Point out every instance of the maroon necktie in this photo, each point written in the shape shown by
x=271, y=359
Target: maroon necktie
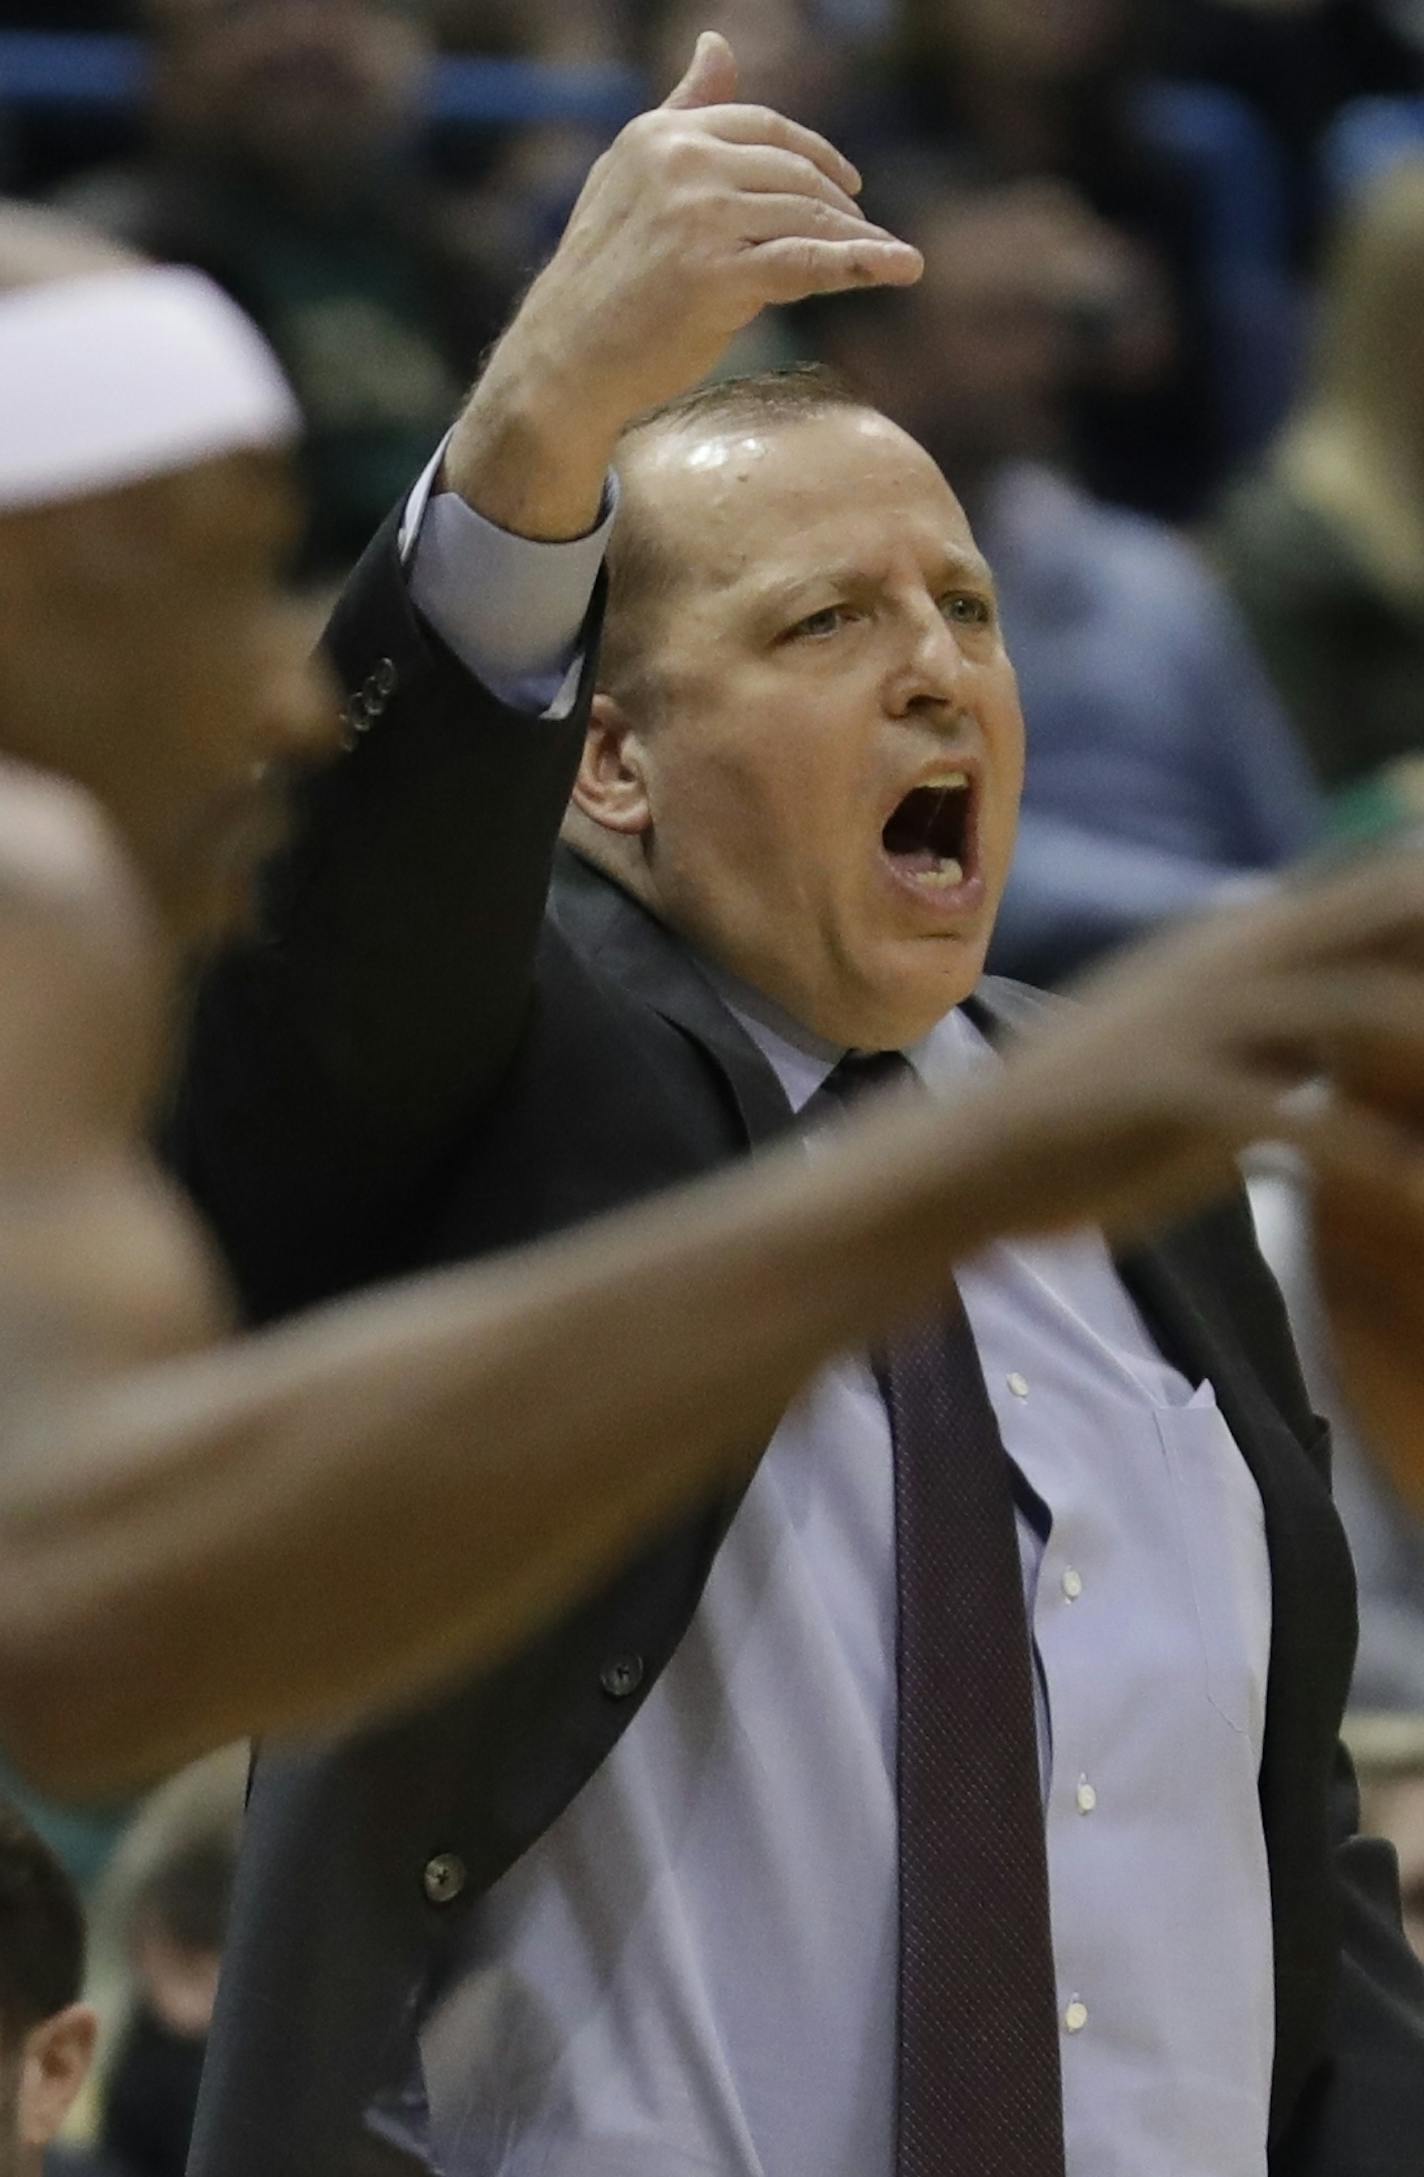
x=979, y=2085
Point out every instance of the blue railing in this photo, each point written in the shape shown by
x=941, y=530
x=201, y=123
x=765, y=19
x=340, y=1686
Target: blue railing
x=93, y=70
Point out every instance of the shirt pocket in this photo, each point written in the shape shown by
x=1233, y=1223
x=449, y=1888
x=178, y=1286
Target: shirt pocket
x=1223, y=1537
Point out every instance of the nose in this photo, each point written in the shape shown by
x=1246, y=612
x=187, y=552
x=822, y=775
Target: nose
x=929, y=673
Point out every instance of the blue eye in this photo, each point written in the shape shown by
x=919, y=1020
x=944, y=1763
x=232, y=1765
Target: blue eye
x=968, y=608
x=817, y=625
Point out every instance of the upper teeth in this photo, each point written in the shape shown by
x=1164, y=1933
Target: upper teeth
x=946, y=779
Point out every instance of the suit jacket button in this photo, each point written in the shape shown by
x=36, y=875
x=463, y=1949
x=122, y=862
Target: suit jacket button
x=383, y=680
x=444, y=1878
x=622, y=1676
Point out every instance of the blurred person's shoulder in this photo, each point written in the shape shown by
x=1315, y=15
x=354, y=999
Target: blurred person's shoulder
x=1267, y=537
x=1045, y=525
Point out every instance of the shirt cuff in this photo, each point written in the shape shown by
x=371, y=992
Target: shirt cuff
x=510, y=608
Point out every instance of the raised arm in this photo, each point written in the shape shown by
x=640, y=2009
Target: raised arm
x=332, y=1062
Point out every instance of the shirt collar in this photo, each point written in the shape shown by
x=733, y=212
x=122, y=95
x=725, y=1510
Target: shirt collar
x=802, y=1061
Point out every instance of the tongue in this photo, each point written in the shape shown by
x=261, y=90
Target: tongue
x=919, y=861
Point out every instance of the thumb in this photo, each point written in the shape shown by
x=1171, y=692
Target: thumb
x=711, y=78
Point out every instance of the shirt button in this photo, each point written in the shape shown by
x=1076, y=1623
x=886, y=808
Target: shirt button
x=1075, y=2018
x=444, y=1878
x=1087, y=1797
x=1018, y=1385
x=622, y=1676
x=1072, y=1584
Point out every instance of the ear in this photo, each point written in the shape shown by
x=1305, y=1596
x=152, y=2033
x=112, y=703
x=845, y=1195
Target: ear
x=54, y=2065
x=611, y=788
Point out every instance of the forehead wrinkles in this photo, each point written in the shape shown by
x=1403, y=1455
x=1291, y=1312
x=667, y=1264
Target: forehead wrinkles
x=713, y=521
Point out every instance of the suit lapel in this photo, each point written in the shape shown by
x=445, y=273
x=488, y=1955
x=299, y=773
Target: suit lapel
x=611, y=928
x=1202, y=1329
x=1201, y=1309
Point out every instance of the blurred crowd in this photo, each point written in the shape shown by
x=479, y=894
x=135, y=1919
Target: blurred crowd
x=1169, y=349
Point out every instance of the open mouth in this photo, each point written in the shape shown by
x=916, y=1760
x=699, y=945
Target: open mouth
x=929, y=837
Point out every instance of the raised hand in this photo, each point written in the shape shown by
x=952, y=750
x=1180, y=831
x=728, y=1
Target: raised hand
x=701, y=214
x=1130, y=1107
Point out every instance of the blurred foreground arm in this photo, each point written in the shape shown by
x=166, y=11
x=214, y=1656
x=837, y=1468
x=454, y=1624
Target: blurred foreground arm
x=197, y=1544
x=1369, y=1251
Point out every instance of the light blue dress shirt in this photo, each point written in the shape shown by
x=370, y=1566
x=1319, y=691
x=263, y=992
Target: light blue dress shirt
x=692, y=1974
x=511, y=609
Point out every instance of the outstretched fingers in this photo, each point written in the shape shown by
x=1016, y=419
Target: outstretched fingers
x=1352, y=1147
x=1336, y=1019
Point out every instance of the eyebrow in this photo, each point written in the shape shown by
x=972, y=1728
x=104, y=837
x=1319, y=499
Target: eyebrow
x=850, y=575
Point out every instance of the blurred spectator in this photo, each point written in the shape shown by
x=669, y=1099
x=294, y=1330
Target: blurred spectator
x=1389, y=1758
x=1387, y=1541
x=1299, y=61
x=47, y=2035
x=1027, y=89
x=284, y=166
x=542, y=29
x=160, y=1920
x=1159, y=770
x=789, y=55
x=1324, y=547
x=42, y=143
x=83, y=1837
x=521, y=180
x=67, y=14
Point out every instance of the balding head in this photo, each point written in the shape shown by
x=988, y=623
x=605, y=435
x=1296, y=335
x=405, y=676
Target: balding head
x=647, y=560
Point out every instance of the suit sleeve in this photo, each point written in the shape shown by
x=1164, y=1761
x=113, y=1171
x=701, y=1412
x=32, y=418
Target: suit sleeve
x=333, y=1060
x=1363, y=2114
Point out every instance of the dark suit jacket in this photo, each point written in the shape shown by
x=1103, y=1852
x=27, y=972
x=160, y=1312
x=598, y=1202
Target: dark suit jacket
x=417, y=1065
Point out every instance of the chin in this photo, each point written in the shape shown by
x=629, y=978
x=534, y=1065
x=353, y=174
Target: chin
x=910, y=1000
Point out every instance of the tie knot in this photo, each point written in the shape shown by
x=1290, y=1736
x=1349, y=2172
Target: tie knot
x=859, y=1072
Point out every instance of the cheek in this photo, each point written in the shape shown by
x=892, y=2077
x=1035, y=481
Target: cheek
x=768, y=797
x=712, y=794
x=784, y=825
